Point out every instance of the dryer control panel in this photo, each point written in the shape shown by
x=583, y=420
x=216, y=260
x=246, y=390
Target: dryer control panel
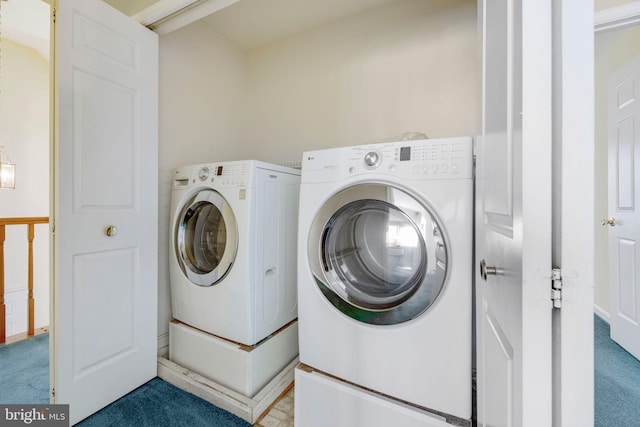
x=444, y=158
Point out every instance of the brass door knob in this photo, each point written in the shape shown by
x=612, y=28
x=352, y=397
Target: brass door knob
x=610, y=221
x=111, y=231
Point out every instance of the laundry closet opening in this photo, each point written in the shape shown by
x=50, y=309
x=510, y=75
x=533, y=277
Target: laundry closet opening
x=268, y=80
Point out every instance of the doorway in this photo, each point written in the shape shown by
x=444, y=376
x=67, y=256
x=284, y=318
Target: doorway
x=25, y=135
x=614, y=49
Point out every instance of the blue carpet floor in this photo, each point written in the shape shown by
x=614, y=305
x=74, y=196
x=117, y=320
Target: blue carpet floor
x=24, y=371
x=24, y=378
x=617, y=382
x=158, y=403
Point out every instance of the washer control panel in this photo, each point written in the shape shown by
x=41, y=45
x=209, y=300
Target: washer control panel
x=231, y=175
x=224, y=175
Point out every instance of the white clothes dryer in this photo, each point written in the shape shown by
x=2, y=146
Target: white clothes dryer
x=385, y=269
x=232, y=260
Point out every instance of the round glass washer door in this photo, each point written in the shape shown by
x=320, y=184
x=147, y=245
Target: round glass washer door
x=206, y=238
x=378, y=254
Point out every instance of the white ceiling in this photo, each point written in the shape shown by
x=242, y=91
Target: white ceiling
x=27, y=22
x=253, y=23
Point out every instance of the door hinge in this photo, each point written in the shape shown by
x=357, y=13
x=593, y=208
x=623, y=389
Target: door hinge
x=53, y=14
x=53, y=392
x=556, y=287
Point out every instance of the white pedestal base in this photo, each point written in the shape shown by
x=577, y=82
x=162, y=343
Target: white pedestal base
x=321, y=400
x=243, y=369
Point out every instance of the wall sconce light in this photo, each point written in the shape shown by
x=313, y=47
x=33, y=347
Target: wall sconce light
x=7, y=171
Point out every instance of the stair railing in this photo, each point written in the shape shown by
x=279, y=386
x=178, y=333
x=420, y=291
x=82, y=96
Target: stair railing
x=30, y=223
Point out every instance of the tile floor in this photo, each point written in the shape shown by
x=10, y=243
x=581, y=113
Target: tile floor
x=280, y=414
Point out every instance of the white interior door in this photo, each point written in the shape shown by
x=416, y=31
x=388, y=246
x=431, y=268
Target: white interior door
x=624, y=214
x=513, y=216
x=104, y=339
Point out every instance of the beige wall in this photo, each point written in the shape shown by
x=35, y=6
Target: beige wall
x=410, y=66
x=24, y=131
x=202, y=98
x=613, y=49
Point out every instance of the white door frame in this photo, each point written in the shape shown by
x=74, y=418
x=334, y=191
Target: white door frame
x=577, y=217
x=574, y=190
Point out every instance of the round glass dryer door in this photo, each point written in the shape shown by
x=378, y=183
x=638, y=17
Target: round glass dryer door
x=206, y=238
x=378, y=254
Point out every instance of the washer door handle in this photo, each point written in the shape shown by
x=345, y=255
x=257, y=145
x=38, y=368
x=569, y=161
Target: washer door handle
x=486, y=270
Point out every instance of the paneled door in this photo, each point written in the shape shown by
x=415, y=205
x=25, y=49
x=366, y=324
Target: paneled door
x=513, y=216
x=534, y=207
x=104, y=329
x=624, y=212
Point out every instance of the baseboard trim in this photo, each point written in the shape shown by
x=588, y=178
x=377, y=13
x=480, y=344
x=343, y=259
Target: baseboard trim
x=23, y=336
x=601, y=313
x=163, y=342
x=249, y=409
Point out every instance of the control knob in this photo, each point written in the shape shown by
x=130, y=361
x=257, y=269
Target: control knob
x=371, y=159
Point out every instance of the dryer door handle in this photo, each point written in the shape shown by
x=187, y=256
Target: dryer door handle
x=270, y=272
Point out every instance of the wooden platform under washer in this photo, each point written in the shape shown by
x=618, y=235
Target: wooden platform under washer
x=249, y=409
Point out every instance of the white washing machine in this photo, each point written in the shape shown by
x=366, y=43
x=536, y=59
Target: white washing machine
x=385, y=269
x=233, y=248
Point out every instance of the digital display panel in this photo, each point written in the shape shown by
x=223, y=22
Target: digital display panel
x=219, y=171
x=405, y=153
